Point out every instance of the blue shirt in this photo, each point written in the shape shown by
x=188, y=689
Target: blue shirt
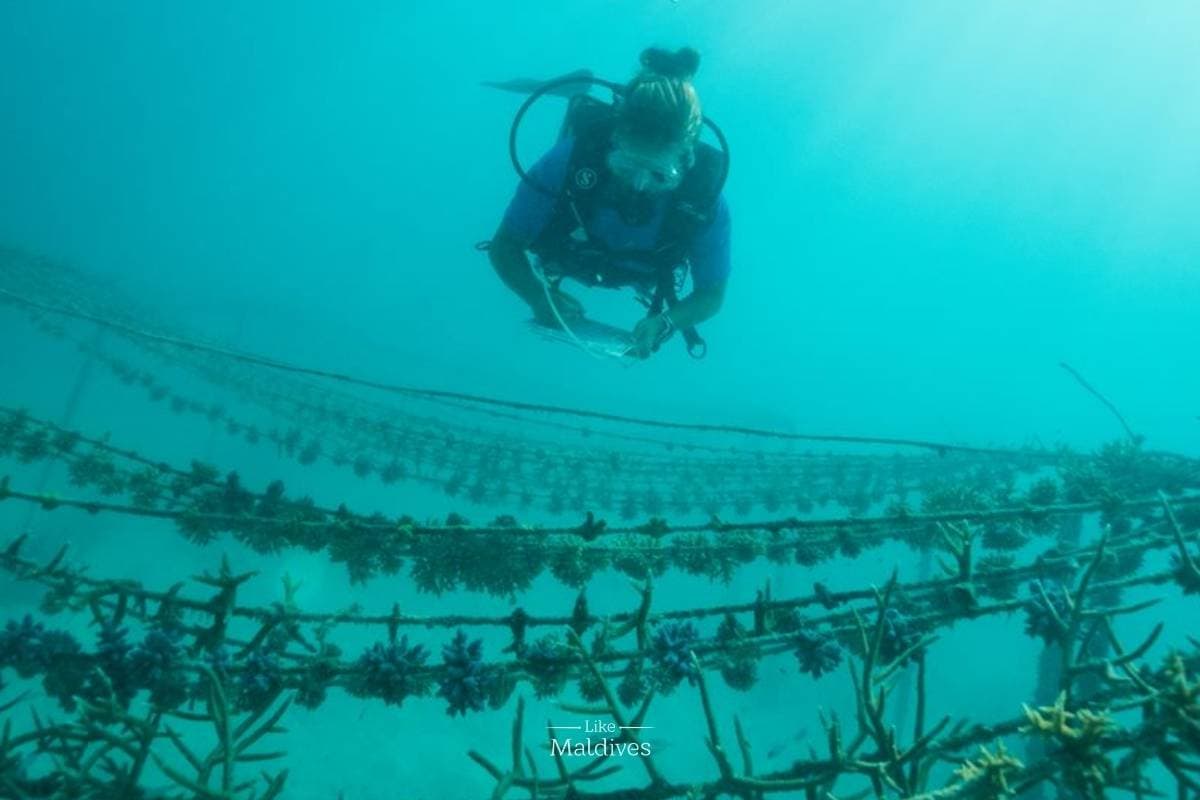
x=531, y=211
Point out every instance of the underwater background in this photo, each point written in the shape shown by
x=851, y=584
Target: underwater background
x=934, y=206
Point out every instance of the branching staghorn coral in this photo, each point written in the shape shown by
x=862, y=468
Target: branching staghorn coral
x=985, y=513
x=290, y=648
x=304, y=656
x=104, y=752
x=1092, y=751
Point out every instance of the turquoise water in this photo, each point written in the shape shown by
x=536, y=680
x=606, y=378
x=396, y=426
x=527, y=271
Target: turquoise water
x=934, y=205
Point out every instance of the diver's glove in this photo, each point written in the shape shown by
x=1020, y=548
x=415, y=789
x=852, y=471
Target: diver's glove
x=651, y=332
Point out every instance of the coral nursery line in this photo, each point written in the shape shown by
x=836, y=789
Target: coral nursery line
x=504, y=556
x=504, y=467
x=437, y=394
x=113, y=688
x=287, y=659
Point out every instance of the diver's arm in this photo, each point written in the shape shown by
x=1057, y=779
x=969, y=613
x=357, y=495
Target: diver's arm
x=511, y=263
x=700, y=305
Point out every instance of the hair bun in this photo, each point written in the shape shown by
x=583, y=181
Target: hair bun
x=681, y=64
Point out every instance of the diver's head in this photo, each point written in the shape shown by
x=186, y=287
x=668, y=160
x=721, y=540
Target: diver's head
x=658, y=121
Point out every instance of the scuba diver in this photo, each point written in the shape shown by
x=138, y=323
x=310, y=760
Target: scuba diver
x=628, y=197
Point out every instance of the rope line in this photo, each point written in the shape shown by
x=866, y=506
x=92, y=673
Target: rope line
x=1133, y=437
x=441, y=394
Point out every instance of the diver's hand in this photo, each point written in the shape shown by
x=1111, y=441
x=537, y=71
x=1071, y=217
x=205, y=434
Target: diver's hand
x=650, y=333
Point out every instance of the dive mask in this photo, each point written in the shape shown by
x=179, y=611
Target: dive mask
x=645, y=171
